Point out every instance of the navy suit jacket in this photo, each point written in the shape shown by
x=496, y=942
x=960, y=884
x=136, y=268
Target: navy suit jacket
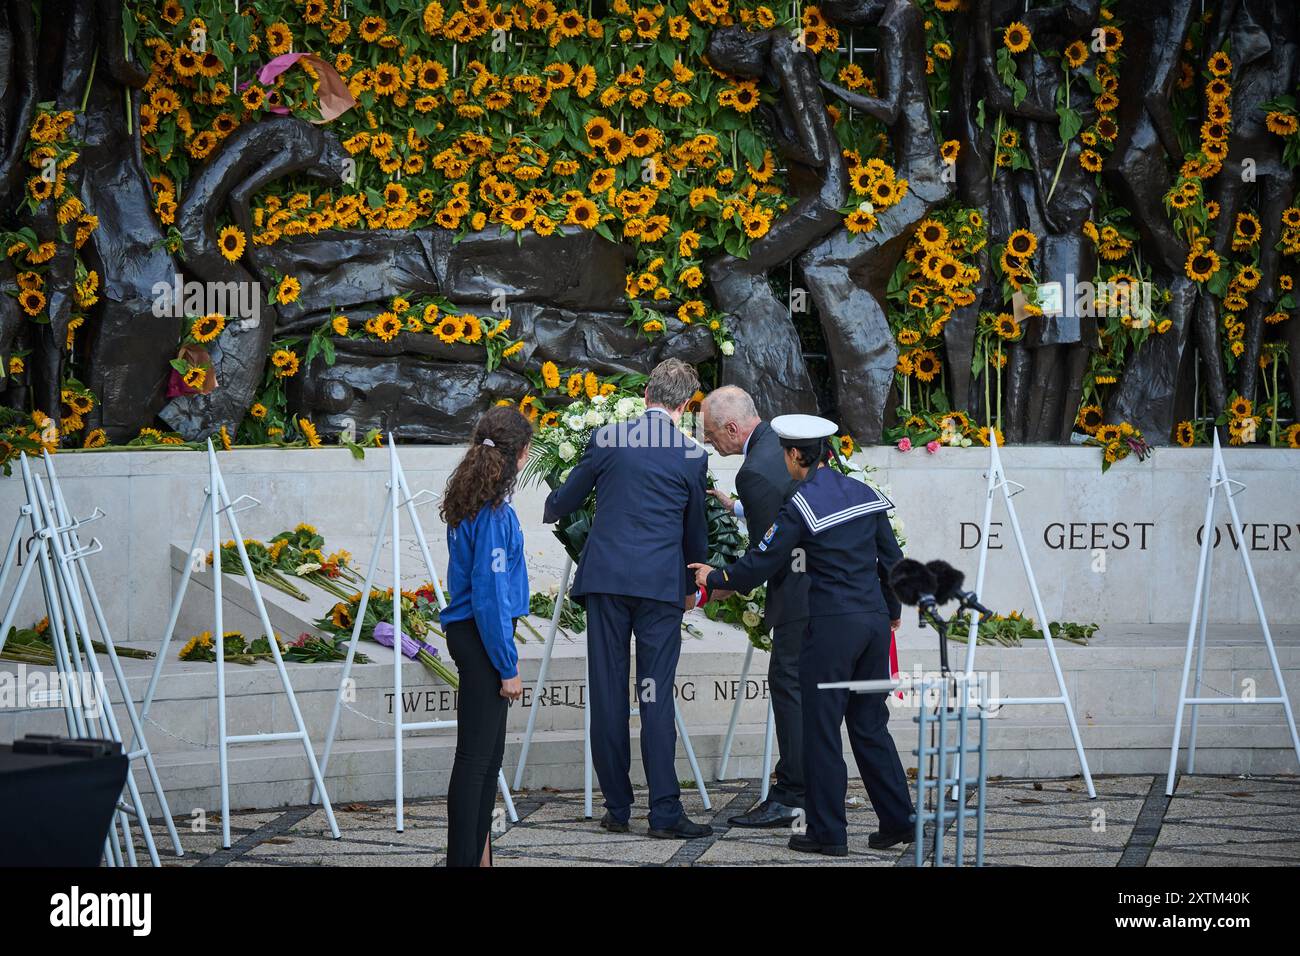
x=649, y=479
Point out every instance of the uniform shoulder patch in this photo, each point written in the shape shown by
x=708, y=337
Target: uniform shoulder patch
x=767, y=538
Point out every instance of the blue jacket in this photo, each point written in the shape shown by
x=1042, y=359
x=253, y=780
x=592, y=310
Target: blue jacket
x=840, y=529
x=488, y=581
x=649, y=479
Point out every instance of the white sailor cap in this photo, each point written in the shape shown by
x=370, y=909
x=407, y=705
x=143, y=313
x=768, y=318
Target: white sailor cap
x=802, y=429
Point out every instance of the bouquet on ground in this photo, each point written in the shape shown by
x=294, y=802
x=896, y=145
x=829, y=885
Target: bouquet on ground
x=301, y=553
x=235, y=648
x=33, y=645
x=572, y=616
x=263, y=564
x=419, y=619
x=1015, y=628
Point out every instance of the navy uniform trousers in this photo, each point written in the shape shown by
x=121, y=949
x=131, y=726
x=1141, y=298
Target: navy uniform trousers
x=840, y=647
x=611, y=621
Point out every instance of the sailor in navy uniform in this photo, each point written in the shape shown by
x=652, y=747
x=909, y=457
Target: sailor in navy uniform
x=836, y=530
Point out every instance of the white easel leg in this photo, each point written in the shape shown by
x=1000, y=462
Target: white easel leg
x=366, y=586
x=1285, y=700
x=398, y=657
x=1051, y=645
x=505, y=793
x=541, y=672
x=223, y=766
x=735, y=716
x=1202, y=570
x=690, y=755
x=1200, y=663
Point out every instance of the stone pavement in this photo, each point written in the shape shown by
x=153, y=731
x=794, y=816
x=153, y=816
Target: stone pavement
x=1233, y=821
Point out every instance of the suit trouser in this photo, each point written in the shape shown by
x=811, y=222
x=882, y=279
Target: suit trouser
x=843, y=647
x=481, y=714
x=787, y=711
x=611, y=621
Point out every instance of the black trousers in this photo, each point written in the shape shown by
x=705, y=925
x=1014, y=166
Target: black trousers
x=843, y=647
x=481, y=714
x=611, y=621
x=787, y=711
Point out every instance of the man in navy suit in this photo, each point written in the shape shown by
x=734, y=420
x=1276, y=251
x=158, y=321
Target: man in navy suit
x=649, y=524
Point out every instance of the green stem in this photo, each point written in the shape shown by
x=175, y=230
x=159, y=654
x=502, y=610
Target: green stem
x=1065, y=143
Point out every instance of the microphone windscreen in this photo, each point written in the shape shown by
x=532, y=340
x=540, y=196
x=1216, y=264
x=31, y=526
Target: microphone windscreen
x=948, y=580
x=910, y=579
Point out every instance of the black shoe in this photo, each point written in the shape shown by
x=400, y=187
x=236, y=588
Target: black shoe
x=808, y=845
x=883, y=841
x=769, y=813
x=607, y=822
x=683, y=829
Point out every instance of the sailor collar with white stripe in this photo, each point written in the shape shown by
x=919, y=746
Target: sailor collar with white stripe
x=827, y=499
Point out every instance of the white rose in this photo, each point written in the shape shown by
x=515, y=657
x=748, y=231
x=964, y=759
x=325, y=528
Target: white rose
x=594, y=417
x=600, y=399
x=728, y=348
x=564, y=475
x=566, y=451
x=626, y=407
x=750, y=619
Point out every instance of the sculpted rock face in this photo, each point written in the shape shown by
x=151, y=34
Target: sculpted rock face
x=416, y=399
x=248, y=159
x=848, y=274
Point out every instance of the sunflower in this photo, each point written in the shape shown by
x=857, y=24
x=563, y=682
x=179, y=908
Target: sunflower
x=1022, y=243
x=550, y=375
x=1089, y=418
x=208, y=327
x=1017, y=37
x=1107, y=434
x=1240, y=407
x=285, y=362
x=949, y=150
x=1201, y=265
x=1292, y=436
x=288, y=290
x=31, y=300
x=232, y=242
x=1185, y=434
x=448, y=330
x=932, y=233
x=982, y=435
x=1090, y=160
x=1010, y=139
x=1007, y=327
x=582, y=212
x=1281, y=124
x=471, y=330
x=309, y=432
x=1076, y=54
x=860, y=221
x=1219, y=64
x=926, y=365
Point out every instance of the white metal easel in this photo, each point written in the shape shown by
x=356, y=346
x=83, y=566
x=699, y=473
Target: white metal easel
x=399, y=496
x=218, y=502
x=1219, y=481
x=768, y=734
x=551, y=633
x=998, y=481
x=58, y=554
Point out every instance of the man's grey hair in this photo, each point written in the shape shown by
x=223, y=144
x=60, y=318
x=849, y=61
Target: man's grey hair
x=672, y=384
x=730, y=403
